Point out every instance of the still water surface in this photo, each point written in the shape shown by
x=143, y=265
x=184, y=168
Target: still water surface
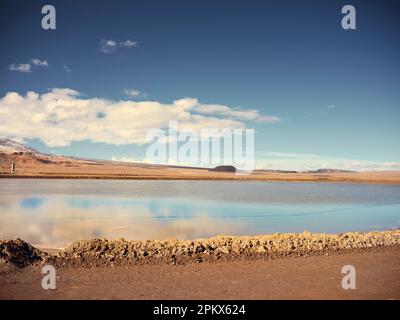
x=59, y=211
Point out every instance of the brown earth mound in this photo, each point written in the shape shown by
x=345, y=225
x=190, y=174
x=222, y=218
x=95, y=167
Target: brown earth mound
x=96, y=252
x=102, y=251
x=18, y=253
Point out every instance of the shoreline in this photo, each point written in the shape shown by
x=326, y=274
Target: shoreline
x=103, y=252
x=306, y=179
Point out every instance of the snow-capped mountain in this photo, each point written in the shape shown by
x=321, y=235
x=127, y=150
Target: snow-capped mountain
x=8, y=146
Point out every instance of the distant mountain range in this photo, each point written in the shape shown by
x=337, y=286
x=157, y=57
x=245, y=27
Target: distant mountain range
x=15, y=152
x=330, y=171
x=310, y=171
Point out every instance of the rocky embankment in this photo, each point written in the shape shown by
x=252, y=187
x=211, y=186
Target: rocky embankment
x=121, y=252
x=20, y=254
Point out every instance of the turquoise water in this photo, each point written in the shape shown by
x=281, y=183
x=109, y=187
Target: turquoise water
x=59, y=211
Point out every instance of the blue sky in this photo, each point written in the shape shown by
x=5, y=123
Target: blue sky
x=335, y=92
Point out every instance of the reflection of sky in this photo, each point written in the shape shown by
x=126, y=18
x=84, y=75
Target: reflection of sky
x=32, y=203
x=61, y=218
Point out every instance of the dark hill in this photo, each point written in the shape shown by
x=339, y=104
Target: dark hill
x=224, y=169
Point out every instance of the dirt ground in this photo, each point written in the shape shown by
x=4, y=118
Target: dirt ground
x=313, y=277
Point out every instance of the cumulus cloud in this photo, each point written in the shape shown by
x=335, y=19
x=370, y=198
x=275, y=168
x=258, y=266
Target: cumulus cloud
x=62, y=116
x=27, y=67
x=109, y=46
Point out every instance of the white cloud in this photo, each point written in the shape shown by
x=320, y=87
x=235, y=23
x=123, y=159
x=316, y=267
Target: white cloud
x=252, y=115
x=305, y=162
x=128, y=43
x=132, y=93
x=38, y=62
x=109, y=46
x=27, y=67
x=225, y=111
x=168, y=162
x=325, y=110
x=129, y=159
x=62, y=116
x=67, y=69
x=22, y=67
